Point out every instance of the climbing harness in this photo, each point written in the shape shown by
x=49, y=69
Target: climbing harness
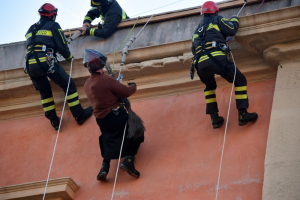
x=50, y=59
x=32, y=46
x=62, y=114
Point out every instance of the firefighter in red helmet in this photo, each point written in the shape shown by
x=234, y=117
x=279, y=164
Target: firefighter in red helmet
x=210, y=58
x=104, y=93
x=111, y=15
x=44, y=39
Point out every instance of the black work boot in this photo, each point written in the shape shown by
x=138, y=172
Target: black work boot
x=103, y=172
x=88, y=112
x=128, y=165
x=54, y=120
x=245, y=117
x=55, y=123
x=216, y=121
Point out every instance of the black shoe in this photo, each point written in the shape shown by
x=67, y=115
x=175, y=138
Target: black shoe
x=88, y=112
x=245, y=117
x=55, y=122
x=103, y=172
x=128, y=165
x=216, y=121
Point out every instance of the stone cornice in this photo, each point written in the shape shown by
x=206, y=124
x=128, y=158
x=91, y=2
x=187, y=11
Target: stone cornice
x=283, y=53
x=155, y=78
x=62, y=188
x=260, y=31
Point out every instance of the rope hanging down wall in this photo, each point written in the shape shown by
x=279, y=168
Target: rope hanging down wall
x=62, y=114
x=124, y=53
x=224, y=138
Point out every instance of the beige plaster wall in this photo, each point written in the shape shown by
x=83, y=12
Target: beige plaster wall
x=282, y=162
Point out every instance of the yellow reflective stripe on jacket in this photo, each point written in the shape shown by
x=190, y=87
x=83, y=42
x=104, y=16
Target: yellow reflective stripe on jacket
x=241, y=96
x=62, y=36
x=234, y=20
x=195, y=36
x=73, y=103
x=224, y=20
x=240, y=88
x=92, y=30
x=33, y=61
x=28, y=35
x=88, y=18
x=210, y=92
x=49, y=108
x=212, y=100
x=102, y=18
x=198, y=47
x=69, y=57
x=71, y=96
x=44, y=33
x=47, y=100
x=40, y=32
x=210, y=26
x=123, y=15
x=216, y=53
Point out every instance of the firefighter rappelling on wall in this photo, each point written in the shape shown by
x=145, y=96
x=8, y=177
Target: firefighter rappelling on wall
x=211, y=56
x=44, y=39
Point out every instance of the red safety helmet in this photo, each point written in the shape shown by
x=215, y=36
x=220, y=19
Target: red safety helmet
x=47, y=10
x=93, y=60
x=209, y=7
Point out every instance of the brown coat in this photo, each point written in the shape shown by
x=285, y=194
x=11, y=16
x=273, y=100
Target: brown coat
x=104, y=93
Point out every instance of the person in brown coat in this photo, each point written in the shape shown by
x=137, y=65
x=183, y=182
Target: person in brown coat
x=104, y=93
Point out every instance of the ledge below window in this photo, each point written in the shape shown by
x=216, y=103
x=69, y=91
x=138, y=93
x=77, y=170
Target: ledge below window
x=58, y=189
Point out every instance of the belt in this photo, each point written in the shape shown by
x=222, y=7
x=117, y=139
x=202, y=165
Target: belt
x=115, y=110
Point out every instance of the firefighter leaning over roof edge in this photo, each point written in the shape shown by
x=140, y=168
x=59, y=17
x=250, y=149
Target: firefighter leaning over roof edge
x=44, y=39
x=210, y=58
x=111, y=15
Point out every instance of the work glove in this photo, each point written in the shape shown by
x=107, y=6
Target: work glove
x=83, y=30
x=234, y=16
x=70, y=58
x=86, y=24
x=131, y=83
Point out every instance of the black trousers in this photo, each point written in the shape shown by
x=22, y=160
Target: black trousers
x=39, y=78
x=112, y=129
x=207, y=76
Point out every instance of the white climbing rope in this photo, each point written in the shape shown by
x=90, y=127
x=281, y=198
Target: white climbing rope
x=120, y=69
x=62, y=114
x=112, y=195
x=144, y=25
x=224, y=139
